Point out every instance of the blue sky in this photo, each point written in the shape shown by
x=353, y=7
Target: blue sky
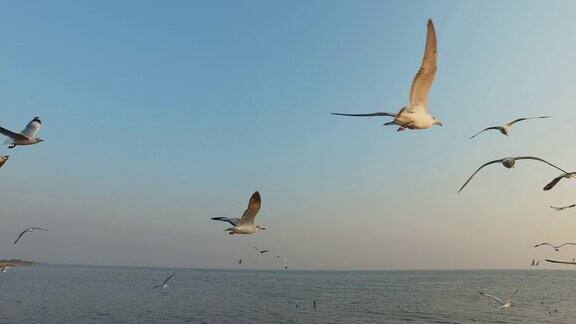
x=159, y=116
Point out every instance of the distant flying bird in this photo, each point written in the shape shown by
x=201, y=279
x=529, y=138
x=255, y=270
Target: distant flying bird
x=26, y=137
x=6, y=268
x=509, y=163
x=165, y=282
x=562, y=208
x=534, y=263
x=3, y=159
x=245, y=225
x=555, y=247
x=506, y=128
x=260, y=252
x=503, y=305
x=554, y=181
x=416, y=115
x=562, y=262
x=28, y=230
x=239, y=261
x=285, y=261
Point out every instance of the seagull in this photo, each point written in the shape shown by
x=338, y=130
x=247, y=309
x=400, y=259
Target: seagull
x=245, y=225
x=164, y=283
x=3, y=159
x=562, y=208
x=554, y=181
x=534, y=263
x=416, y=115
x=508, y=163
x=239, y=261
x=285, y=261
x=503, y=305
x=260, y=252
x=6, y=268
x=562, y=262
x=555, y=247
x=26, y=137
x=28, y=230
x=506, y=128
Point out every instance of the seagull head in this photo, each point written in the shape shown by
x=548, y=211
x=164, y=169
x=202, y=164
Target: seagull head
x=38, y=140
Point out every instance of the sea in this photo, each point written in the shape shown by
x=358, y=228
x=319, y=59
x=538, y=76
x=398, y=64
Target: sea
x=94, y=294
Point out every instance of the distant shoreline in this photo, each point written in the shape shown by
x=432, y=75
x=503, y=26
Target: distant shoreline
x=16, y=263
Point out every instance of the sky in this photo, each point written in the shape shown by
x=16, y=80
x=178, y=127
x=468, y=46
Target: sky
x=158, y=116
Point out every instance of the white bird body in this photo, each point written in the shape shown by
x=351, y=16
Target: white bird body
x=415, y=119
x=245, y=224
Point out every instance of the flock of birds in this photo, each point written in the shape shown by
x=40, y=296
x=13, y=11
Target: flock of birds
x=415, y=116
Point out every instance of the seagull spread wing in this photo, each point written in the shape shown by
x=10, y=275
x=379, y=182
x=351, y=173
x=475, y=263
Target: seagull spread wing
x=425, y=76
x=485, y=129
x=367, y=115
x=19, y=236
x=39, y=228
x=557, y=179
x=539, y=159
x=480, y=168
x=12, y=135
x=562, y=262
x=542, y=244
x=253, y=208
x=32, y=128
x=167, y=279
x=568, y=243
x=491, y=297
x=233, y=221
x=526, y=118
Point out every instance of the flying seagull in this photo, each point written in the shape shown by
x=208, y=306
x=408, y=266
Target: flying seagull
x=509, y=163
x=555, y=247
x=260, y=252
x=503, y=305
x=285, y=261
x=164, y=283
x=534, y=263
x=28, y=230
x=506, y=128
x=239, y=261
x=562, y=208
x=554, y=181
x=6, y=268
x=26, y=137
x=416, y=115
x=562, y=262
x=3, y=159
x=245, y=225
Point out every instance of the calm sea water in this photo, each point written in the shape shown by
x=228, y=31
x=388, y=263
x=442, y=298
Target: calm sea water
x=76, y=294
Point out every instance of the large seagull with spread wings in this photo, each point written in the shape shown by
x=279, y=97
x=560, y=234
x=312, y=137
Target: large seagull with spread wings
x=245, y=225
x=26, y=137
x=416, y=115
x=508, y=163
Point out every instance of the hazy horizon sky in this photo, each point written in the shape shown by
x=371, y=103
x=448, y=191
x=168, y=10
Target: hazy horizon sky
x=158, y=116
